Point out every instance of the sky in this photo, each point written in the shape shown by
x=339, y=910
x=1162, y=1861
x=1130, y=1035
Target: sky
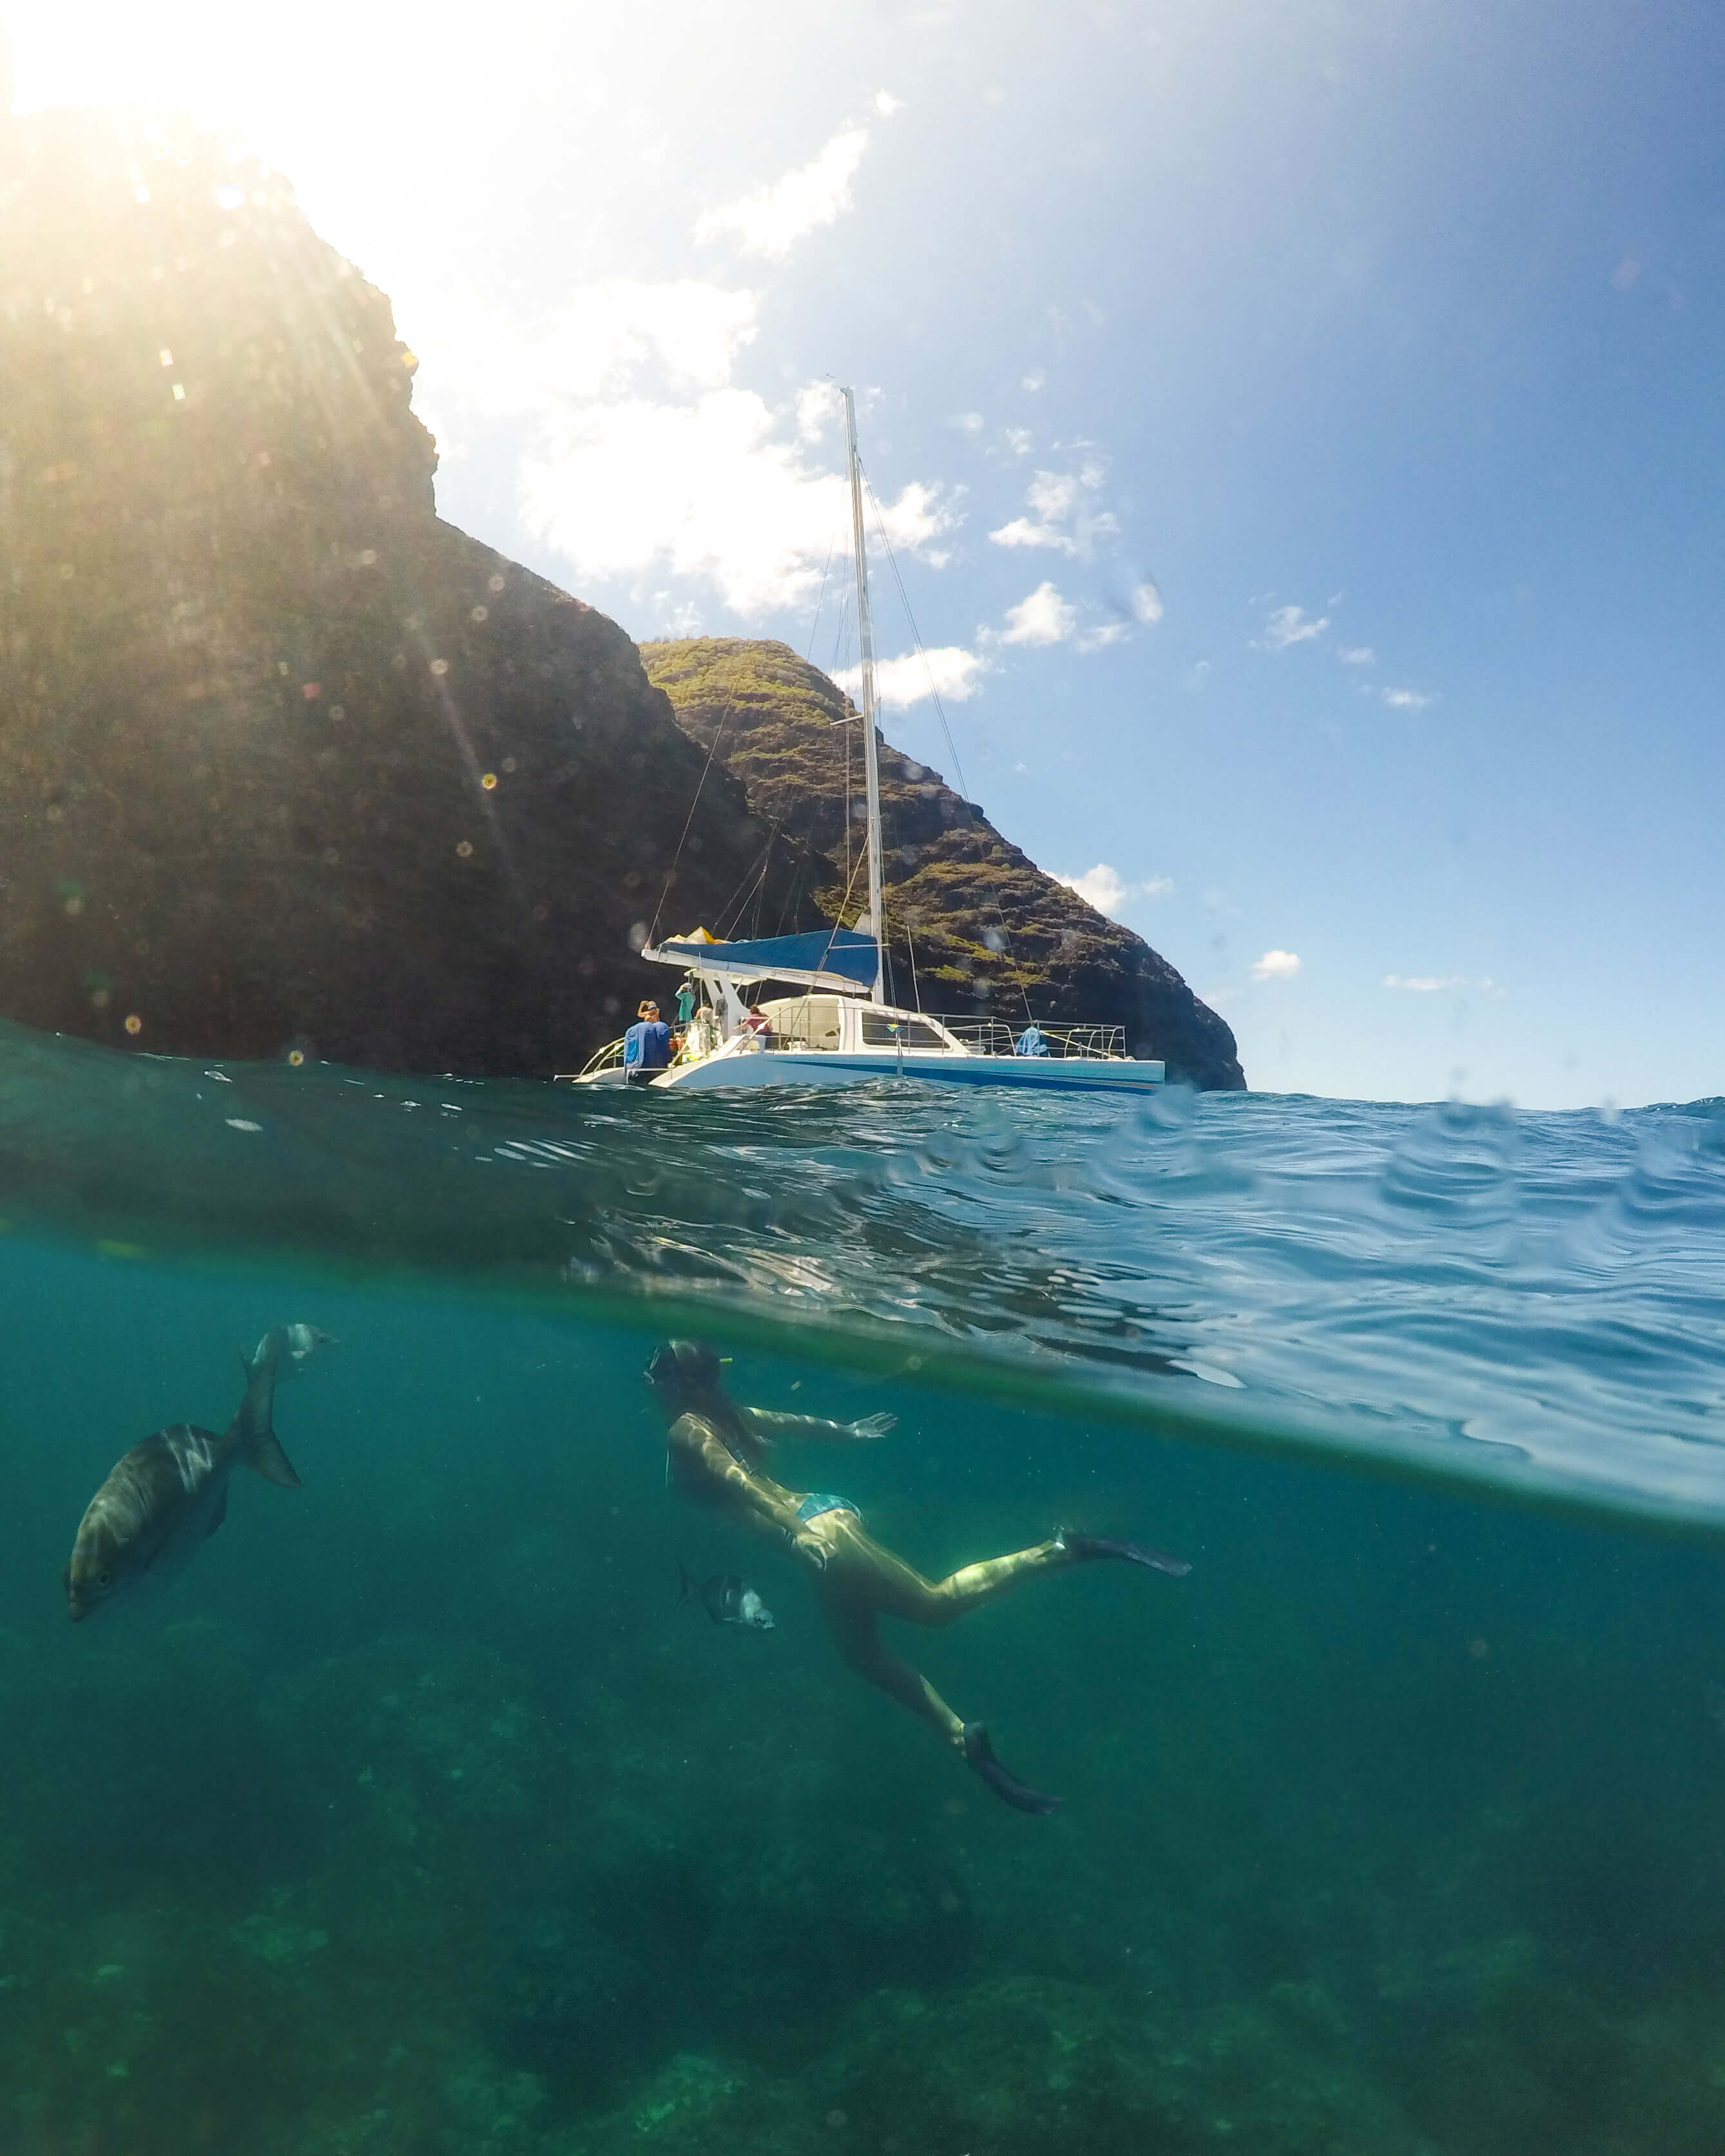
x=1299, y=427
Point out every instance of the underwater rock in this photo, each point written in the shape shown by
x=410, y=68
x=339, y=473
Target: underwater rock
x=1025, y=2066
x=970, y=919
x=285, y=761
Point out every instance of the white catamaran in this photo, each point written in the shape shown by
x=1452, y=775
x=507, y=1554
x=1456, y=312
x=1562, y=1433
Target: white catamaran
x=840, y=1030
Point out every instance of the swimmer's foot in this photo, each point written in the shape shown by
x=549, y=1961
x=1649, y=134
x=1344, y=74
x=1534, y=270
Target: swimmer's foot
x=979, y=1758
x=1089, y=1546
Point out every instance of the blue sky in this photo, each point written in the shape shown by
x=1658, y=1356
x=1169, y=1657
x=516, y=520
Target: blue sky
x=1301, y=426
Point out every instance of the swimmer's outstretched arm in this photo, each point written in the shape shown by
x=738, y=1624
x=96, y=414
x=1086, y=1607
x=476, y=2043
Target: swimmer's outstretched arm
x=769, y=1425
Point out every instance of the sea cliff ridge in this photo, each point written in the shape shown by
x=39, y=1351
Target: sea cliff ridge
x=289, y=764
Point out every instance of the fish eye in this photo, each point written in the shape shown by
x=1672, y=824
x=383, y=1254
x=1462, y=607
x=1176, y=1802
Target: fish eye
x=105, y=1579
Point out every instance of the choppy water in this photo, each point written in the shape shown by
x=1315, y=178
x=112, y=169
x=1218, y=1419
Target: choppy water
x=414, y=1818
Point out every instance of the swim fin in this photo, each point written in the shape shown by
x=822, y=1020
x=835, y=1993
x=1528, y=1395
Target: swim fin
x=979, y=1758
x=1089, y=1546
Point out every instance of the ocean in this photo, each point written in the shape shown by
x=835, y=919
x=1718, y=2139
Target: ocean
x=416, y=1815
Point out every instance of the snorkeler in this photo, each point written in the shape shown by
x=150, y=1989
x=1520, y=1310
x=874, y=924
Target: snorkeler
x=716, y=1452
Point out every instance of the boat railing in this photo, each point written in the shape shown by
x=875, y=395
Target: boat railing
x=607, y=1058
x=993, y=1036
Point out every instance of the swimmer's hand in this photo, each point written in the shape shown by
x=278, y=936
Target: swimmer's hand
x=808, y=1547
x=866, y=1428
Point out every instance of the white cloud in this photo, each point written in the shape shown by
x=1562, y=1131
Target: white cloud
x=1275, y=966
x=685, y=333
x=1146, y=603
x=1427, y=984
x=1065, y=514
x=1102, y=636
x=773, y=219
x=1044, y=617
x=817, y=411
x=708, y=488
x=1358, y=654
x=966, y=422
x=1020, y=440
x=1290, y=624
x=644, y=455
x=886, y=104
x=1107, y=890
x=1034, y=380
x=1407, y=700
x=950, y=671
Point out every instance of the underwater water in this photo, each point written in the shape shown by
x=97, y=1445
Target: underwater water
x=415, y=1815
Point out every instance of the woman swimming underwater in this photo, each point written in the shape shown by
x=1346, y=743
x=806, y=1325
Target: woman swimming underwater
x=716, y=1455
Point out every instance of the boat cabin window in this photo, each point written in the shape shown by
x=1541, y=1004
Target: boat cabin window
x=812, y=1020
x=884, y=1029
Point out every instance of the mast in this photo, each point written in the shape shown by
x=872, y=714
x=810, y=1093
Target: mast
x=865, y=641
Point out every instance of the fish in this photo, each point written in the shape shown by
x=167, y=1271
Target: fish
x=164, y=1500
x=728, y=1600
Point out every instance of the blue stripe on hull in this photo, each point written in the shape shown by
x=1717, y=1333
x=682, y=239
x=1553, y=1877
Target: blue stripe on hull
x=1027, y=1074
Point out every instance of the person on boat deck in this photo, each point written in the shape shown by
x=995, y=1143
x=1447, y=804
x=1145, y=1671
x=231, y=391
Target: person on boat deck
x=716, y=1454
x=1032, y=1041
x=685, y=1002
x=757, y=1022
x=646, y=1046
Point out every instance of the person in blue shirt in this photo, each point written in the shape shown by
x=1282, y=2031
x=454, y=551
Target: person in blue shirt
x=1031, y=1041
x=646, y=1046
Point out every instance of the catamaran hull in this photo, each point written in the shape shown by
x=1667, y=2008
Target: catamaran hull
x=1029, y=1074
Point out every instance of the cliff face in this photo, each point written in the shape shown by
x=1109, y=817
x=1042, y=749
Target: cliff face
x=987, y=930
x=284, y=760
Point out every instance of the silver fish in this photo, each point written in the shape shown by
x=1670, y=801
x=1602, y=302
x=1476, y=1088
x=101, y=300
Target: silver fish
x=727, y=1600
x=167, y=1496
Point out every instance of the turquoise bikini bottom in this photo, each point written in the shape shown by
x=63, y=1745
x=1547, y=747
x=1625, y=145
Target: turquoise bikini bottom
x=812, y=1506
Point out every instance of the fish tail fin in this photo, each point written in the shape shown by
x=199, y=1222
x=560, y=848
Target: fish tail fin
x=259, y=1446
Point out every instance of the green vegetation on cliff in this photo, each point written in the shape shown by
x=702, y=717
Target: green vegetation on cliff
x=982, y=929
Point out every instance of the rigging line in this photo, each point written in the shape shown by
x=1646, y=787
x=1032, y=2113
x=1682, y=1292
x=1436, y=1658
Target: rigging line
x=671, y=871
x=847, y=807
x=760, y=887
x=841, y=643
x=940, y=708
x=820, y=602
x=741, y=891
x=916, y=635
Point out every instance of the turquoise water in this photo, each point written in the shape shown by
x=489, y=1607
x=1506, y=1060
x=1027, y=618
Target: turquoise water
x=415, y=1817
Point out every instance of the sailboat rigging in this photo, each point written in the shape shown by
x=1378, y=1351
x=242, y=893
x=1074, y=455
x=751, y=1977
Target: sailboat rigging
x=841, y=1029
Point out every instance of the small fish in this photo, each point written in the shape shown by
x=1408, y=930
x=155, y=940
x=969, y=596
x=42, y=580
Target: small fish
x=728, y=1600
x=167, y=1496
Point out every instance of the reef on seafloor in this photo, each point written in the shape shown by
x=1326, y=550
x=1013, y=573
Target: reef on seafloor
x=406, y=1899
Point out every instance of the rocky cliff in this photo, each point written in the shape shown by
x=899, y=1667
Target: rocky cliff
x=286, y=762
x=983, y=929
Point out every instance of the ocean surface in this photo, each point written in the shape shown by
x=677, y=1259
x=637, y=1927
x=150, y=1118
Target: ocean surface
x=415, y=1816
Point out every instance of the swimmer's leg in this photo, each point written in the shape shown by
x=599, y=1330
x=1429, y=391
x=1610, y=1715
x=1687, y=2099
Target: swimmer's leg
x=863, y=1570
x=855, y=1630
x=856, y=1635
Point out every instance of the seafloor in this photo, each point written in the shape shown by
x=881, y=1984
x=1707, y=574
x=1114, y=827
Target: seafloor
x=415, y=1817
